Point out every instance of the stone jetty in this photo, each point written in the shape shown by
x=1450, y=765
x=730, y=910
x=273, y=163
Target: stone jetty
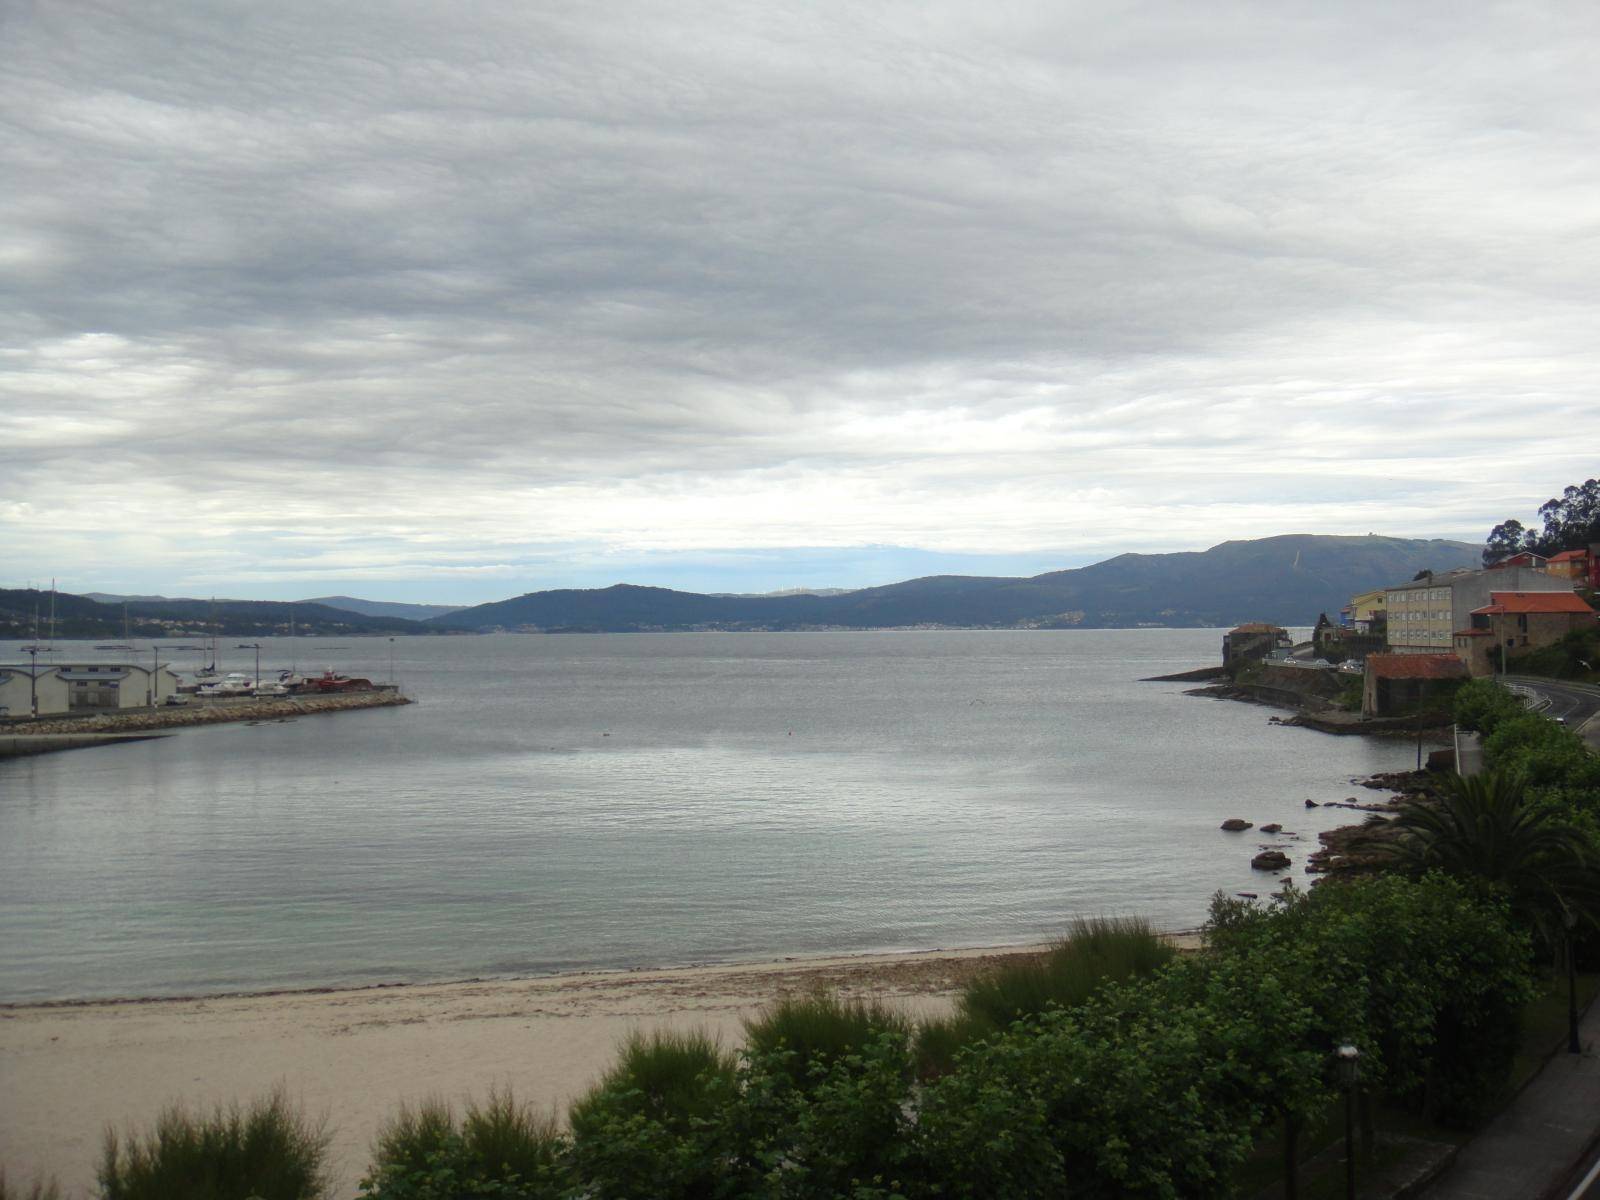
x=199, y=712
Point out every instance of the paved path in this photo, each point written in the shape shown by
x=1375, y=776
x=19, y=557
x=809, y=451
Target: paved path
x=1529, y=1150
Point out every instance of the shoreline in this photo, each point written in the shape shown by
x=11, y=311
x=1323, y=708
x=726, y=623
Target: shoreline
x=866, y=959
x=75, y=1069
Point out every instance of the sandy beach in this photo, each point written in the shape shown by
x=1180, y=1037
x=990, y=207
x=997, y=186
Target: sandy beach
x=69, y=1070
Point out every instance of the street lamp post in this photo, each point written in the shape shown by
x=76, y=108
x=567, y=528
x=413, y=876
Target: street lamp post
x=1350, y=1076
x=1574, y=1045
x=33, y=681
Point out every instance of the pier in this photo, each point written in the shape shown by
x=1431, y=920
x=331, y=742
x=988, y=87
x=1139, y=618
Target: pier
x=134, y=724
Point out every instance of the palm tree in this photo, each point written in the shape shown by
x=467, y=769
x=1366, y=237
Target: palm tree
x=1486, y=827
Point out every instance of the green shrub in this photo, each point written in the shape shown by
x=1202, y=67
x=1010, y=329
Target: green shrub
x=670, y=1078
x=849, y=1132
x=819, y=1030
x=1096, y=952
x=657, y=1124
x=938, y=1043
x=410, y=1139
x=511, y=1139
x=269, y=1151
x=502, y=1149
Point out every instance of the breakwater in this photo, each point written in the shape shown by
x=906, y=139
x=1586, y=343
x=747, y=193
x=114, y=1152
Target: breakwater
x=211, y=712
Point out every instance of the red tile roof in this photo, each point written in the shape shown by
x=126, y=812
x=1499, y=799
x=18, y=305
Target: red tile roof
x=1569, y=555
x=1534, y=602
x=1416, y=666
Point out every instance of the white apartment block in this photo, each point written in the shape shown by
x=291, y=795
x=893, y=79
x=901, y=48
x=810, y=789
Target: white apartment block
x=1424, y=613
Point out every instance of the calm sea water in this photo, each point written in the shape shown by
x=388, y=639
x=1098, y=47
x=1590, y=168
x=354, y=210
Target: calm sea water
x=566, y=802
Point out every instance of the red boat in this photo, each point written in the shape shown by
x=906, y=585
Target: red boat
x=330, y=682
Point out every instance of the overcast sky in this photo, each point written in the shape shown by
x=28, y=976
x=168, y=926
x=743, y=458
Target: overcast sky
x=451, y=301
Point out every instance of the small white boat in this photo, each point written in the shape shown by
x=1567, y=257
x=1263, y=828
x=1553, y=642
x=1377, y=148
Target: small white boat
x=272, y=689
x=234, y=683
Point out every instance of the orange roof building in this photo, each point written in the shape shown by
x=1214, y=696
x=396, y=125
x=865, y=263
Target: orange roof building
x=1514, y=623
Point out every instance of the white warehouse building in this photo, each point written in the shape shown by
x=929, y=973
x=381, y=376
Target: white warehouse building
x=58, y=689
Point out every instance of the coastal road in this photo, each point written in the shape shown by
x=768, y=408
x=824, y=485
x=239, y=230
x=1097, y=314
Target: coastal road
x=1578, y=704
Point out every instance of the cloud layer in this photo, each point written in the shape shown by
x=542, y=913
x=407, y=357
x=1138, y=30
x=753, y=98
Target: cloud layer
x=467, y=299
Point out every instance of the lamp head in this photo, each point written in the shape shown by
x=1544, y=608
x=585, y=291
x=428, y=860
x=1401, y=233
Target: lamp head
x=1349, y=1063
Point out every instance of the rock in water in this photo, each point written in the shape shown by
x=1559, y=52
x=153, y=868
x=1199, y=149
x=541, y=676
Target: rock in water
x=1270, y=860
x=1236, y=824
x=1272, y=828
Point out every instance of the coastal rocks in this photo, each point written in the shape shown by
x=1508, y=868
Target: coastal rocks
x=1270, y=860
x=1274, y=827
x=1237, y=824
x=1311, y=804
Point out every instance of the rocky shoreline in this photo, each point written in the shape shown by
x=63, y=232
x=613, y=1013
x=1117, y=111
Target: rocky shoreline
x=1348, y=850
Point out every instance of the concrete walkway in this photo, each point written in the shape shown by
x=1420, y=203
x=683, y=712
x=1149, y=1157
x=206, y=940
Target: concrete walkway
x=1530, y=1149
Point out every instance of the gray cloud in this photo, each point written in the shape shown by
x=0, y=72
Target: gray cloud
x=412, y=290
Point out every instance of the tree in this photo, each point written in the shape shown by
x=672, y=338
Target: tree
x=1486, y=828
x=1571, y=522
x=1505, y=539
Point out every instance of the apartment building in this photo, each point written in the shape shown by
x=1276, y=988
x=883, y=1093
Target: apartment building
x=1424, y=614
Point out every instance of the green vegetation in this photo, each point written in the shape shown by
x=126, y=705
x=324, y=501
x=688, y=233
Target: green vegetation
x=269, y=1151
x=671, y=1078
x=1113, y=1069
x=1097, y=952
x=1571, y=522
x=809, y=1034
x=500, y=1149
x=1552, y=763
x=1575, y=657
x=1487, y=829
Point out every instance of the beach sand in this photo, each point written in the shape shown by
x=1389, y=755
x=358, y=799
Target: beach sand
x=68, y=1071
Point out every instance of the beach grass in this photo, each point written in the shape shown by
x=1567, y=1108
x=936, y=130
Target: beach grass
x=268, y=1151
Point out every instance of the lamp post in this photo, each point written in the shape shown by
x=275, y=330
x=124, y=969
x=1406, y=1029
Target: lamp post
x=1350, y=1077
x=1570, y=920
x=391, y=660
x=33, y=680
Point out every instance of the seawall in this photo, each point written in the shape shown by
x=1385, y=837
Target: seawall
x=83, y=730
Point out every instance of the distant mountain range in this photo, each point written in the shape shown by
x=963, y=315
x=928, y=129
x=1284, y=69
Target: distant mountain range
x=1288, y=580
x=386, y=608
x=163, y=617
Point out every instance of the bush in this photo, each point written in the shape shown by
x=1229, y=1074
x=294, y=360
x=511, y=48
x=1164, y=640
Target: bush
x=939, y=1043
x=269, y=1151
x=657, y=1124
x=409, y=1141
x=1426, y=976
x=1096, y=952
x=502, y=1149
x=820, y=1030
x=847, y=1133
x=670, y=1078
